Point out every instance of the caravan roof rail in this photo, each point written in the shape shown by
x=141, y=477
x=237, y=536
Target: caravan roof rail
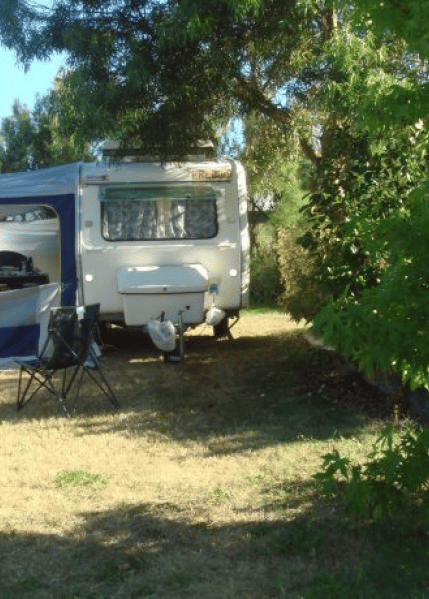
x=113, y=153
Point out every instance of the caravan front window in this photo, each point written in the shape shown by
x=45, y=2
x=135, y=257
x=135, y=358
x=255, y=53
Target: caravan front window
x=131, y=213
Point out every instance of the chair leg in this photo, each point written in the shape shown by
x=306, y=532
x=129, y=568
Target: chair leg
x=102, y=384
x=106, y=389
x=24, y=397
x=79, y=385
x=43, y=379
x=21, y=395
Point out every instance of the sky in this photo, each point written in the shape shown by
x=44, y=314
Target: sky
x=18, y=85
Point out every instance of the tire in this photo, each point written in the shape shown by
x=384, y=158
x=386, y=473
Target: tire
x=222, y=329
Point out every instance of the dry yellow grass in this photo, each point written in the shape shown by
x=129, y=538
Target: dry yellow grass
x=190, y=486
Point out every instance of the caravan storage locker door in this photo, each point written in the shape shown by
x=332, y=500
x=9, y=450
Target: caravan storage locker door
x=149, y=291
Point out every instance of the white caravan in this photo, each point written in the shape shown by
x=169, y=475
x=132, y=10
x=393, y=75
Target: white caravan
x=145, y=240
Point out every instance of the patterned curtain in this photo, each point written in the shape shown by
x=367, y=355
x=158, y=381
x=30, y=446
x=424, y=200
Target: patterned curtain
x=158, y=218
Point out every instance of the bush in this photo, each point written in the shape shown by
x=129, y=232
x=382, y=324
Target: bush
x=362, y=182
x=264, y=278
x=385, y=327
x=392, y=483
x=302, y=297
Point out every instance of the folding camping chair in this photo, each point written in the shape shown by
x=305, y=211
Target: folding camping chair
x=69, y=345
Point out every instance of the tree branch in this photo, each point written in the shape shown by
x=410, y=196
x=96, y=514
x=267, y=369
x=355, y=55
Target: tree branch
x=309, y=152
x=253, y=96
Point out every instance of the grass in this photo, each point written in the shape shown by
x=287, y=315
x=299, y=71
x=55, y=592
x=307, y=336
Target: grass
x=201, y=485
x=78, y=478
x=262, y=308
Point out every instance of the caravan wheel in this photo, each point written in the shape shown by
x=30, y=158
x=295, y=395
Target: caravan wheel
x=222, y=329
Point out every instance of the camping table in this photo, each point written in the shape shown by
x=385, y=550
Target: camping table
x=20, y=280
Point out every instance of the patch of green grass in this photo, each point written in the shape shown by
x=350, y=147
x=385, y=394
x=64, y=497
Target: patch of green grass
x=183, y=579
x=297, y=538
x=111, y=573
x=219, y=493
x=78, y=478
x=31, y=583
x=145, y=590
x=339, y=585
x=256, y=309
x=256, y=479
x=402, y=560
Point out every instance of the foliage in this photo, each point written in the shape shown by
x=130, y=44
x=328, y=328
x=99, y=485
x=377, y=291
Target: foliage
x=301, y=296
x=363, y=174
x=280, y=268
x=54, y=142
x=356, y=177
x=367, y=217
x=407, y=19
x=380, y=321
x=366, y=235
x=393, y=482
x=273, y=167
x=360, y=188
x=384, y=328
x=151, y=66
x=264, y=276
x=32, y=140
x=16, y=135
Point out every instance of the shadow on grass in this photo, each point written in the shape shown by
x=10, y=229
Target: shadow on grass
x=253, y=392
x=168, y=551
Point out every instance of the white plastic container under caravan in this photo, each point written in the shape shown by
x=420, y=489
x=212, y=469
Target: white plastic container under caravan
x=145, y=240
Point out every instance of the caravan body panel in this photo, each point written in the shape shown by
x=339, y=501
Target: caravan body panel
x=147, y=218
